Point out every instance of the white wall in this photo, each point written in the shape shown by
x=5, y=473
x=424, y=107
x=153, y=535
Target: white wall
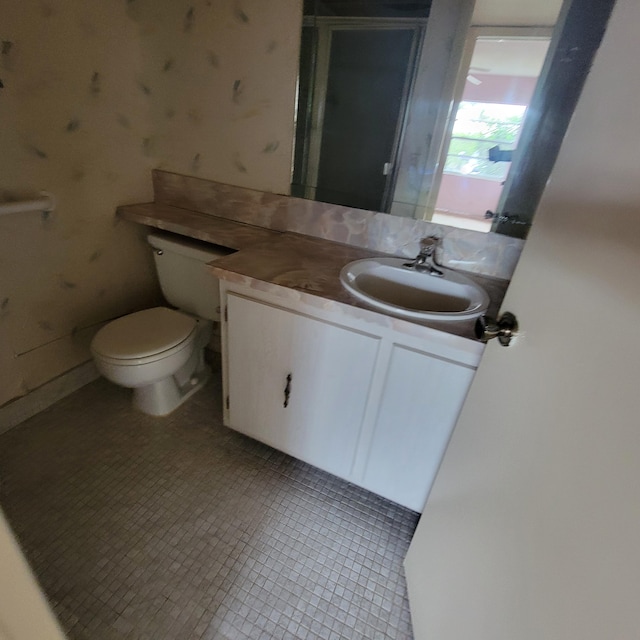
x=24, y=612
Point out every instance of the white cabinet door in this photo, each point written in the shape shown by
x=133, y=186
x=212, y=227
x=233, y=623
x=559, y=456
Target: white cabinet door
x=330, y=369
x=420, y=402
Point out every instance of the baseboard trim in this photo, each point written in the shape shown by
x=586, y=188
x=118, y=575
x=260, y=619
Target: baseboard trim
x=23, y=408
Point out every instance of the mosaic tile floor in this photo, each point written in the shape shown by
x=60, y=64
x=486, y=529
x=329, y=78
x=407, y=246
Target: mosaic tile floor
x=179, y=528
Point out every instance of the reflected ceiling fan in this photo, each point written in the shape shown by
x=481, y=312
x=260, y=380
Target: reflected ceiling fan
x=472, y=79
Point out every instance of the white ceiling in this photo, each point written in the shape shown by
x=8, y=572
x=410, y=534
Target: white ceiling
x=509, y=56
x=516, y=13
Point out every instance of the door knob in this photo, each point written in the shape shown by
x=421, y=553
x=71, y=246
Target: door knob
x=504, y=329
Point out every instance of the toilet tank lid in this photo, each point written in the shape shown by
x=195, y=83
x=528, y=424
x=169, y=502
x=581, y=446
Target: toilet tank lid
x=194, y=249
x=143, y=333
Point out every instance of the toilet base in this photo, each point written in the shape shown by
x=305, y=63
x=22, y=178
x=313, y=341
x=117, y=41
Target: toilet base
x=166, y=395
x=163, y=397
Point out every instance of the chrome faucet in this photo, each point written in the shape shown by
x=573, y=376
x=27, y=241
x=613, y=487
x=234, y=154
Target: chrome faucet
x=426, y=260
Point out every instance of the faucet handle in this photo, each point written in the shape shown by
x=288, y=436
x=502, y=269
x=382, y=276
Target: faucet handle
x=430, y=241
x=429, y=251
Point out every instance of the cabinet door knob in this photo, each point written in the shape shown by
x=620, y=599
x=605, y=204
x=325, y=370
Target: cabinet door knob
x=287, y=391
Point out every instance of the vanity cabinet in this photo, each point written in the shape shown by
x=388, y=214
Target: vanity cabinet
x=344, y=389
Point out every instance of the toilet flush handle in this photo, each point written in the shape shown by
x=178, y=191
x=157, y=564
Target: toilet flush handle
x=159, y=252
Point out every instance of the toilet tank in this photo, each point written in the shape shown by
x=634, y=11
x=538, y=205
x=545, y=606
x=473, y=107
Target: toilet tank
x=184, y=278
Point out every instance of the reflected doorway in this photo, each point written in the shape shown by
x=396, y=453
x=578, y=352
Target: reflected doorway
x=493, y=94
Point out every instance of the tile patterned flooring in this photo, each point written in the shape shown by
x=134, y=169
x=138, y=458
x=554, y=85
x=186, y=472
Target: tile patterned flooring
x=178, y=528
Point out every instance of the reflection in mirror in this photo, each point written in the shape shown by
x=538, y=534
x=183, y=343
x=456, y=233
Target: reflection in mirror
x=399, y=113
x=492, y=98
x=358, y=62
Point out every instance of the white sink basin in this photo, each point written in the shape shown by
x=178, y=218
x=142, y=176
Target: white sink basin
x=388, y=285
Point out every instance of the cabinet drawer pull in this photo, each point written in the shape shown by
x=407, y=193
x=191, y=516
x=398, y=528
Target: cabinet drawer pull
x=287, y=391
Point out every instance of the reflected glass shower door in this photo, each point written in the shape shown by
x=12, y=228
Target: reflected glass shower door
x=354, y=84
x=362, y=114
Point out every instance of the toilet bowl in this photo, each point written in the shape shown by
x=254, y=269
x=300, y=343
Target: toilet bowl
x=159, y=352
x=156, y=352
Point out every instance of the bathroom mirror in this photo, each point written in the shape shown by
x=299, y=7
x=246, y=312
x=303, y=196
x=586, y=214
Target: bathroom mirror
x=405, y=108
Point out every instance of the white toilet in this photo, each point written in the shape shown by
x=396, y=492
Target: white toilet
x=159, y=352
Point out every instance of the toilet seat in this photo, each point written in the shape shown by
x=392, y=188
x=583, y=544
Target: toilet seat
x=144, y=336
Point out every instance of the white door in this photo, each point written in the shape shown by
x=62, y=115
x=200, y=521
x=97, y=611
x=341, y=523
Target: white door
x=532, y=528
x=24, y=611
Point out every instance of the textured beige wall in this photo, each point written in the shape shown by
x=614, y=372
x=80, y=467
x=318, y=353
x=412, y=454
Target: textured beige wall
x=96, y=94
x=222, y=78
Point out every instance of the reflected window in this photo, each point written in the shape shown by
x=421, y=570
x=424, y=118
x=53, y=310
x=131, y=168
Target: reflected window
x=483, y=130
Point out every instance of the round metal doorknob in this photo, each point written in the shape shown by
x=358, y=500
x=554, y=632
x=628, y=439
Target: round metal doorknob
x=505, y=328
